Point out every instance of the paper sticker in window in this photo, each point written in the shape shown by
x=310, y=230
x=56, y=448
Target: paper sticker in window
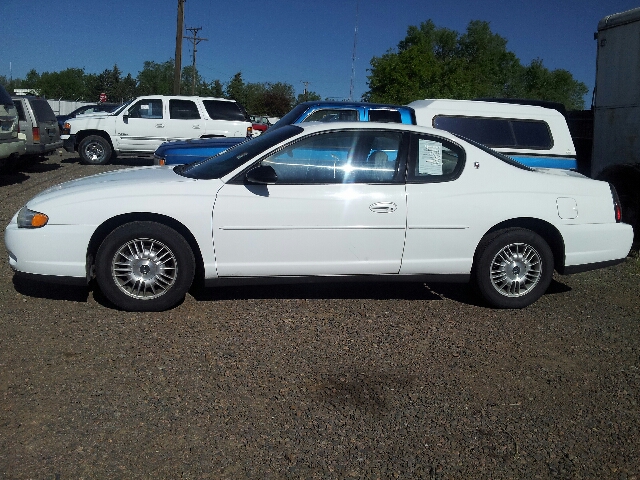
x=429, y=157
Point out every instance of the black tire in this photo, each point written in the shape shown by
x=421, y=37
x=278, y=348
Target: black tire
x=95, y=150
x=513, y=268
x=144, y=267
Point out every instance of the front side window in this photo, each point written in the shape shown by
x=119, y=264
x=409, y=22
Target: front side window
x=183, y=110
x=365, y=156
x=149, y=108
x=434, y=159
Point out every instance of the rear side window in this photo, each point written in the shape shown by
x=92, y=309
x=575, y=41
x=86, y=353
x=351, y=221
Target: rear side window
x=42, y=110
x=434, y=159
x=499, y=132
x=221, y=110
x=386, y=116
x=183, y=110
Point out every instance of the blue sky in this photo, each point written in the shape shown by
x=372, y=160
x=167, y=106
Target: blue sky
x=291, y=41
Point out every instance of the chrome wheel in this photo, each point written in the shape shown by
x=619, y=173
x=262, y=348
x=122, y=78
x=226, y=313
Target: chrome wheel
x=94, y=152
x=516, y=269
x=144, y=268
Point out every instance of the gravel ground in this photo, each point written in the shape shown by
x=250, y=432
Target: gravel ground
x=314, y=382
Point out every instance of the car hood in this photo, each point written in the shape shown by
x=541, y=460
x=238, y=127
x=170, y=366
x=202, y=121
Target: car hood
x=131, y=182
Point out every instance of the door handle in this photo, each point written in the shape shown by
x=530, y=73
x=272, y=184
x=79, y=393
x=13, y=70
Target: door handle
x=196, y=127
x=159, y=125
x=383, y=207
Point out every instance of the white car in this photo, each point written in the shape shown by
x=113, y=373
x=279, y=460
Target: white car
x=332, y=202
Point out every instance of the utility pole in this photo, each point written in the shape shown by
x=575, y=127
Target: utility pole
x=305, y=93
x=177, y=70
x=353, y=59
x=195, y=40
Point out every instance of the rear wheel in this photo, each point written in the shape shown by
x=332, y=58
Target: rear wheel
x=513, y=268
x=144, y=266
x=95, y=150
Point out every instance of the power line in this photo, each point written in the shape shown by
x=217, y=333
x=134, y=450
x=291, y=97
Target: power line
x=195, y=40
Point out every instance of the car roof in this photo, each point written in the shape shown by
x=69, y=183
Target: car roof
x=184, y=97
x=469, y=108
x=316, y=127
x=329, y=103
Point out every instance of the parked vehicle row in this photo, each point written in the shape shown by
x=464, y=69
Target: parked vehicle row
x=533, y=135
x=173, y=153
x=322, y=201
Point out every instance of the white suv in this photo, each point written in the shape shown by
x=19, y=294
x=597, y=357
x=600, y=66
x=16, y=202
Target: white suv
x=140, y=126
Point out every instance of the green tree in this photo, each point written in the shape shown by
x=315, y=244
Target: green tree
x=278, y=99
x=308, y=97
x=216, y=88
x=235, y=89
x=156, y=78
x=434, y=62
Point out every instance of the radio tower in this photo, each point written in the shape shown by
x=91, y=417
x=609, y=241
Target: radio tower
x=353, y=58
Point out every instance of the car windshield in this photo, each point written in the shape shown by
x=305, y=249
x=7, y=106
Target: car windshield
x=499, y=155
x=117, y=110
x=227, y=161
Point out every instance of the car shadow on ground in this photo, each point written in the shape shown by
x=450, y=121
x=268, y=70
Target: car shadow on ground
x=51, y=291
x=459, y=292
x=19, y=171
x=349, y=291
x=121, y=162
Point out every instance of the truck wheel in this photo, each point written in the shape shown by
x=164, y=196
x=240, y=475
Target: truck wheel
x=95, y=150
x=144, y=267
x=513, y=268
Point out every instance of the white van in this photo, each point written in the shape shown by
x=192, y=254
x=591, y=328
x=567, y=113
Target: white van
x=535, y=136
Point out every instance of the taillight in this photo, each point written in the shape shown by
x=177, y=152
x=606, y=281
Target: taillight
x=36, y=134
x=249, y=131
x=617, y=206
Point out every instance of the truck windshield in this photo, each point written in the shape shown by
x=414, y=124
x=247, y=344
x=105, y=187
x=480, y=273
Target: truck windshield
x=227, y=161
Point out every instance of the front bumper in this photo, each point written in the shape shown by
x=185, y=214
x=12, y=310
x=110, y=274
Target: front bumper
x=69, y=143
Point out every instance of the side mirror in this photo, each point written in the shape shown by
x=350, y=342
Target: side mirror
x=263, y=175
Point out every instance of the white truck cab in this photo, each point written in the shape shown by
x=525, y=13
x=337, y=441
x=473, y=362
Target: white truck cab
x=139, y=127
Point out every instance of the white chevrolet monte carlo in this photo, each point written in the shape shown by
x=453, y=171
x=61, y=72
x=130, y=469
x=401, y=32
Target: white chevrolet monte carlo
x=334, y=202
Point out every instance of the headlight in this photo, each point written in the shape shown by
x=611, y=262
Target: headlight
x=30, y=219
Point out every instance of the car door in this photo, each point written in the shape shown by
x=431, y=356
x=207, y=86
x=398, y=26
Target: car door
x=184, y=120
x=144, y=128
x=337, y=208
x=443, y=209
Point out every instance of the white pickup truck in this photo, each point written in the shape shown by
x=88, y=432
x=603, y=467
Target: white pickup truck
x=140, y=126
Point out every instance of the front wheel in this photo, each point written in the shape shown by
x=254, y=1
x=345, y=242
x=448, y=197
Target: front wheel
x=144, y=266
x=513, y=268
x=95, y=150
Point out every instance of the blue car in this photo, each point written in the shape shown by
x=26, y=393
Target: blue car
x=189, y=151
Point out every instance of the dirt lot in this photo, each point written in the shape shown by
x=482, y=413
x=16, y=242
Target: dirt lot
x=313, y=382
